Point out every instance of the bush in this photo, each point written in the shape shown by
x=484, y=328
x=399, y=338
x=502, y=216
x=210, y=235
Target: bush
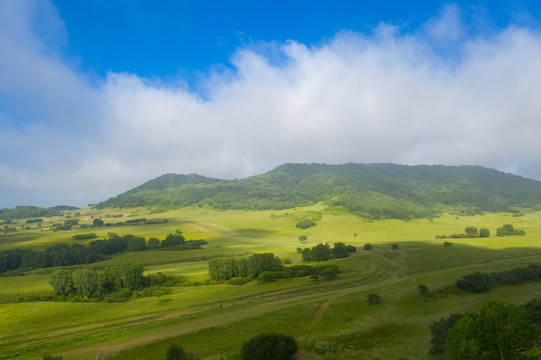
x=447, y=244
x=394, y=247
x=471, y=232
x=303, y=238
x=84, y=236
x=305, y=224
x=268, y=276
x=373, y=299
x=367, y=246
x=423, y=290
x=121, y=295
x=484, y=233
x=269, y=346
x=476, y=282
x=351, y=248
x=175, y=352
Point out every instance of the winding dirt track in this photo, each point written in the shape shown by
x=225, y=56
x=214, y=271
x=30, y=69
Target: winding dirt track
x=246, y=310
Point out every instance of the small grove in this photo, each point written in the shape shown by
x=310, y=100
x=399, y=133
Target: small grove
x=19, y=260
x=263, y=267
x=323, y=252
x=481, y=282
x=113, y=284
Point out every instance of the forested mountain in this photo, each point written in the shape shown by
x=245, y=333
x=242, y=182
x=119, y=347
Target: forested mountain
x=22, y=212
x=370, y=190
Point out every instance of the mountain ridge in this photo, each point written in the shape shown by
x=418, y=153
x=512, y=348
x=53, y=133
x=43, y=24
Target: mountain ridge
x=378, y=191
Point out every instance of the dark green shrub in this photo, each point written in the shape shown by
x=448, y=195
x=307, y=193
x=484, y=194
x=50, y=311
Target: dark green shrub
x=476, y=282
x=121, y=295
x=367, y=246
x=175, y=352
x=373, y=299
x=471, y=232
x=305, y=224
x=351, y=248
x=484, y=233
x=340, y=250
x=269, y=346
x=51, y=357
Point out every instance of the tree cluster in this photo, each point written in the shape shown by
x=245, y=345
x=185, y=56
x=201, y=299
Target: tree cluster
x=67, y=225
x=264, y=267
x=66, y=255
x=305, y=224
x=469, y=232
x=118, y=280
x=481, y=282
x=323, y=252
x=269, y=346
x=509, y=230
x=228, y=268
x=24, y=212
x=498, y=331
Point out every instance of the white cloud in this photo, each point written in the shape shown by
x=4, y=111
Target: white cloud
x=383, y=97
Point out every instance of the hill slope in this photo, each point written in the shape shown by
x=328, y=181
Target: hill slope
x=369, y=190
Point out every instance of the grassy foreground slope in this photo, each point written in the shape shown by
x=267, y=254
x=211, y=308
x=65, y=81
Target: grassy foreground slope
x=377, y=191
x=329, y=318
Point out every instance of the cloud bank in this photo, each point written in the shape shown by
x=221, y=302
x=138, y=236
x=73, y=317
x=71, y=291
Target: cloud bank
x=437, y=95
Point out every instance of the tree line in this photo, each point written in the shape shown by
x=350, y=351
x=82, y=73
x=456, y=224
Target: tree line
x=264, y=267
x=65, y=255
x=481, y=282
x=473, y=232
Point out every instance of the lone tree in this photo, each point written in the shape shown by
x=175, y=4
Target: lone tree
x=269, y=346
x=97, y=222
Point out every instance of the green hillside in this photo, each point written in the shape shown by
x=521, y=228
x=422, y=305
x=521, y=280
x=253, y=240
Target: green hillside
x=376, y=191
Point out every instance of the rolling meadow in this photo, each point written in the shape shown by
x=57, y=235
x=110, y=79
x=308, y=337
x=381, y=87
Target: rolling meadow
x=330, y=318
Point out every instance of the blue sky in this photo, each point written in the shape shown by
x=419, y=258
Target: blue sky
x=99, y=96
x=170, y=39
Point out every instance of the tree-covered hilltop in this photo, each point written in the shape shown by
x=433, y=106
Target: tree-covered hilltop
x=375, y=191
x=24, y=212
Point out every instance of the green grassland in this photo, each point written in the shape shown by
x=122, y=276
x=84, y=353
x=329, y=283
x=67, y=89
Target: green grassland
x=330, y=319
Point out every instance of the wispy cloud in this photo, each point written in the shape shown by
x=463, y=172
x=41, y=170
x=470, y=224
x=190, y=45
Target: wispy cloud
x=437, y=95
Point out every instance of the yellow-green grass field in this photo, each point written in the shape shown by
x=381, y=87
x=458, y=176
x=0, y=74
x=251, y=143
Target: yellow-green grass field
x=212, y=321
